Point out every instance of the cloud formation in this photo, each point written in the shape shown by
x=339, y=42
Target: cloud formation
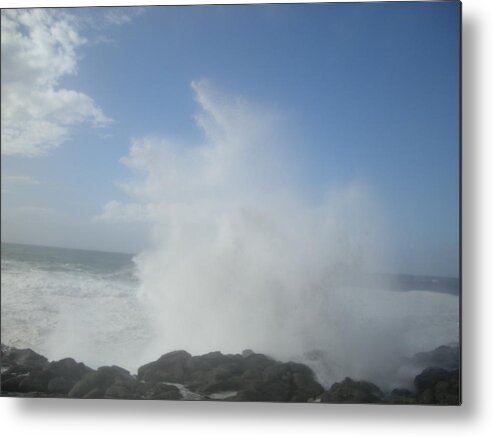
x=39, y=47
x=121, y=15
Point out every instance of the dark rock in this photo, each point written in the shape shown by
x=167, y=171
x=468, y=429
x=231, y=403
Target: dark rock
x=231, y=384
x=401, y=396
x=171, y=367
x=258, y=361
x=101, y=379
x=60, y=384
x=22, y=357
x=156, y=390
x=448, y=392
x=69, y=369
x=11, y=384
x=64, y=374
x=438, y=386
x=426, y=397
x=252, y=375
x=305, y=386
x=36, y=381
x=95, y=393
x=446, y=357
x=429, y=377
x=280, y=382
x=122, y=389
x=352, y=392
x=214, y=360
x=165, y=392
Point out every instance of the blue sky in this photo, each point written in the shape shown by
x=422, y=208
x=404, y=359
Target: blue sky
x=366, y=93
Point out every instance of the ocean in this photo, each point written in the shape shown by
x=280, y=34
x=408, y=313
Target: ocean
x=86, y=305
x=66, y=302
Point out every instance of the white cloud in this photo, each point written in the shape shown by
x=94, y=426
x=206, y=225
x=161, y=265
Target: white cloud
x=19, y=180
x=39, y=47
x=118, y=16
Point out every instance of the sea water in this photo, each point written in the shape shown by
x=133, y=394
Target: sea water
x=77, y=303
x=85, y=304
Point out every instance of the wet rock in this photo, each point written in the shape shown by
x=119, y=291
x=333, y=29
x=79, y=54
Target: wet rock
x=60, y=384
x=95, y=393
x=214, y=372
x=401, y=396
x=64, y=374
x=446, y=357
x=36, y=381
x=352, y=392
x=69, y=369
x=429, y=377
x=122, y=389
x=171, y=367
x=164, y=392
x=281, y=382
x=26, y=358
x=101, y=379
x=438, y=386
x=11, y=384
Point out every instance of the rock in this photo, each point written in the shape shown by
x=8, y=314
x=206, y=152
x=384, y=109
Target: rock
x=352, y=392
x=11, y=384
x=214, y=360
x=171, y=367
x=69, y=369
x=280, y=382
x=429, y=377
x=36, y=381
x=101, y=379
x=401, y=396
x=95, y=393
x=165, y=392
x=26, y=358
x=258, y=361
x=214, y=372
x=446, y=357
x=122, y=389
x=448, y=392
x=64, y=374
x=60, y=384
x=438, y=386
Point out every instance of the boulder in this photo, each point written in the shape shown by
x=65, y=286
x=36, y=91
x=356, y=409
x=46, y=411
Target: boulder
x=164, y=392
x=100, y=380
x=69, y=369
x=280, y=382
x=60, y=384
x=171, y=367
x=353, y=392
x=446, y=357
x=429, y=377
x=11, y=383
x=438, y=386
x=64, y=374
x=26, y=358
x=401, y=396
x=36, y=381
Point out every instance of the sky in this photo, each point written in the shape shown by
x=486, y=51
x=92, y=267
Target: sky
x=356, y=94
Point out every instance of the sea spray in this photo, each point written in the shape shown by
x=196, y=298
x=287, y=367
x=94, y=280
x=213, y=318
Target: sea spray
x=242, y=258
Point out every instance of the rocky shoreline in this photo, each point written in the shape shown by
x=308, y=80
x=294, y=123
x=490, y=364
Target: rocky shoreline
x=249, y=377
